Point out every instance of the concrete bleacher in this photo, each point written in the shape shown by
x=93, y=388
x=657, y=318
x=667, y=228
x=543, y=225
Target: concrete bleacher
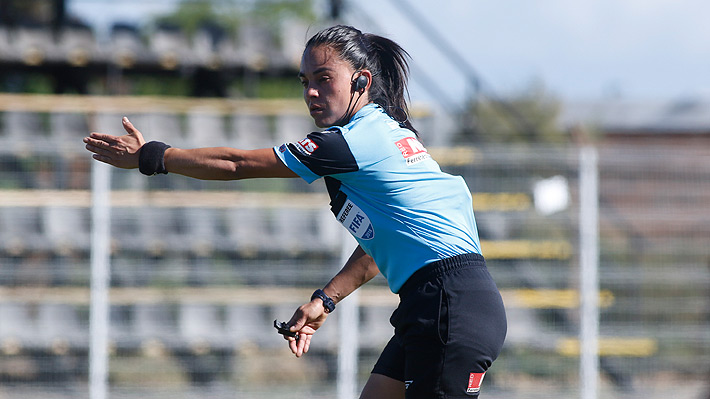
x=225, y=319
x=66, y=229
x=19, y=229
x=206, y=128
x=243, y=228
x=201, y=324
x=291, y=128
x=17, y=327
x=66, y=129
x=251, y=132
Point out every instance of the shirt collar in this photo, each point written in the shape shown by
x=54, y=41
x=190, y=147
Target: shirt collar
x=367, y=109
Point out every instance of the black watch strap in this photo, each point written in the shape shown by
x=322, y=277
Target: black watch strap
x=328, y=303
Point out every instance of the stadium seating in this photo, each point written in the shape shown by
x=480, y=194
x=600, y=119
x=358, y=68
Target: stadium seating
x=61, y=328
x=375, y=330
x=4, y=40
x=291, y=128
x=155, y=326
x=125, y=46
x=170, y=46
x=212, y=47
x=67, y=129
x=252, y=132
x=199, y=269
x=76, y=43
x=201, y=326
x=67, y=229
x=158, y=126
x=21, y=230
x=206, y=128
x=32, y=45
x=166, y=47
x=18, y=329
x=19, y=129
x=240, y=320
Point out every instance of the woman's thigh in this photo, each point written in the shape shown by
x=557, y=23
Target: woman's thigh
x=379, y=386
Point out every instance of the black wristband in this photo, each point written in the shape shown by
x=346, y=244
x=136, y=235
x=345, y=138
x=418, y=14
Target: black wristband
x=151, y=158
x=328, y=303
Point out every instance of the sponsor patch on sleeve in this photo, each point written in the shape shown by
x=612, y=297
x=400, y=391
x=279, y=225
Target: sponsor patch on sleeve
x=306, y=146
x=412, y=150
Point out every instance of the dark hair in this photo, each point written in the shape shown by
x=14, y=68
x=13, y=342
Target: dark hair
x=383, y=57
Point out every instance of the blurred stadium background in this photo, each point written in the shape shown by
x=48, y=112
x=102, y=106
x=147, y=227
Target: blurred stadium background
x=198, y=270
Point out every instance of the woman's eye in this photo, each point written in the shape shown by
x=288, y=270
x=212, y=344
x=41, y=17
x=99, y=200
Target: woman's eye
x=304, y=83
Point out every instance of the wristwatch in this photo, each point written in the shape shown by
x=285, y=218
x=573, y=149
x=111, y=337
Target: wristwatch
x=328, y=303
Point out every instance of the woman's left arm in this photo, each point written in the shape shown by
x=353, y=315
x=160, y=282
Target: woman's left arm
x=358, y=270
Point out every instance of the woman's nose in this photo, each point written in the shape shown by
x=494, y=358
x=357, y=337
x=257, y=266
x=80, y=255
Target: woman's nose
x=311, y=92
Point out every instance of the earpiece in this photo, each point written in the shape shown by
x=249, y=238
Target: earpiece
x=360, y=83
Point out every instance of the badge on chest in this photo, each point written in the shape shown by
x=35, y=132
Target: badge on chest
x=356, y=221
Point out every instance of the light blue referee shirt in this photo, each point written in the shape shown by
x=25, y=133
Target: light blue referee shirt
x=388, y=192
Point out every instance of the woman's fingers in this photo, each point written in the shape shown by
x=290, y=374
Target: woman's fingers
x=101, y=154
x=128, y=126
x=105, y=145
x=93, y=144
x=107, y=138
x=102, y=158
x=97, y=151
x=306, y=343
x=119, y=151
x=293, y=345
x=301, y=345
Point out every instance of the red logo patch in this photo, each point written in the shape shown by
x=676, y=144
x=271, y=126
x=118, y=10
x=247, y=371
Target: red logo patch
x=474, y=382
x=412, y=150
x=307, y=146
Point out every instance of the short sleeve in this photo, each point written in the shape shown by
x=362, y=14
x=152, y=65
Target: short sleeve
x=319, y=154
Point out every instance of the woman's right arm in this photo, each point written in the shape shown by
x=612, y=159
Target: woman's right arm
x=223, y=163
x=217, y=163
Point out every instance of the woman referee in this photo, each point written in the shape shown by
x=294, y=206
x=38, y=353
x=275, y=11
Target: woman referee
x=413, y=223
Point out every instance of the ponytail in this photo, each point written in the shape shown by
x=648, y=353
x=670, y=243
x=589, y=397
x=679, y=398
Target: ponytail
x=383, y=57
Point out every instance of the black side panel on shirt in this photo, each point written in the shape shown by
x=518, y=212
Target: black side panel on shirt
x=337, y=197
x=325, y=153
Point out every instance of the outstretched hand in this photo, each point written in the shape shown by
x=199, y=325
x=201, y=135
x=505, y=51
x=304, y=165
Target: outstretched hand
x=119, y=151
x=306, y=320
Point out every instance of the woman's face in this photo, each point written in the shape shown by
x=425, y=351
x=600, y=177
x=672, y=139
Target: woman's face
x=327, y=87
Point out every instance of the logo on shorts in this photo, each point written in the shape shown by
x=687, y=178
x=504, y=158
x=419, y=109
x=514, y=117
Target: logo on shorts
x=407, y=384
x=474, y=382
x=412, y=150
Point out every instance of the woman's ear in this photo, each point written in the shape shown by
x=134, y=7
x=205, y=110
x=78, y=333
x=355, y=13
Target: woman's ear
x=363, y=81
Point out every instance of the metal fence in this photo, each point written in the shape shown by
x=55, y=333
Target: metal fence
x=199, y=270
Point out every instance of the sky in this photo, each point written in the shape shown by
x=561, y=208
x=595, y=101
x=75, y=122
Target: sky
x=578, y=50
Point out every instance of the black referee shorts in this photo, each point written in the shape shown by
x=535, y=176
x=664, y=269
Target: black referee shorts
x=449, y=327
